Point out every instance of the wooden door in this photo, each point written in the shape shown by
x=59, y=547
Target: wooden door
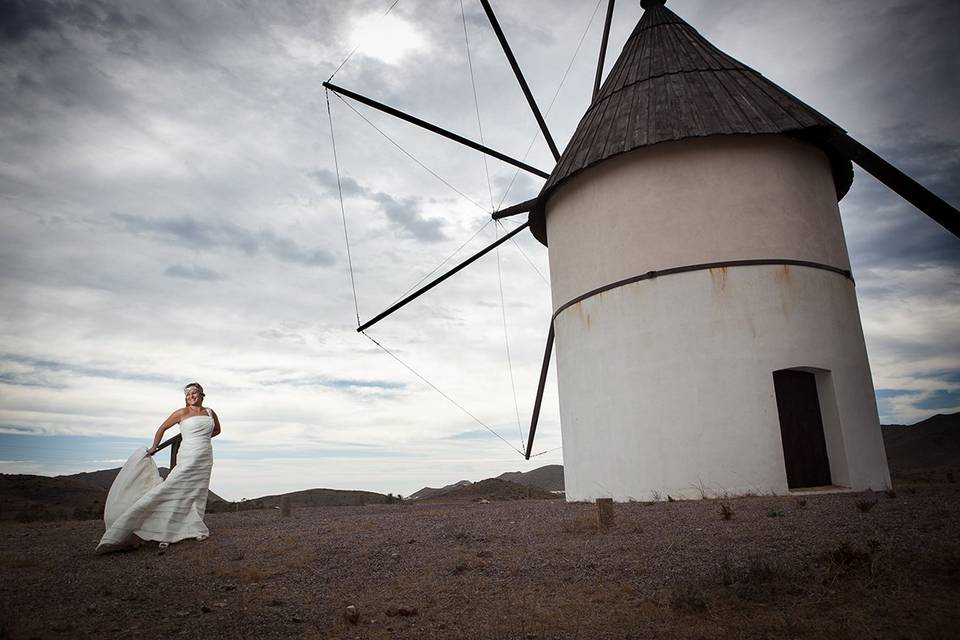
x=801, y=429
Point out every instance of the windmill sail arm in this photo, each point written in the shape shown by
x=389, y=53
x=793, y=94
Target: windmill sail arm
x=520, y=79
x=544, y=368
x=899, y=182
x=340, y=91
x=603, y=48
x=523, y=207
x=430, y=285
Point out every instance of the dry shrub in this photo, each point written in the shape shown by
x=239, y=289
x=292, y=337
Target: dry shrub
x=756, y=571
x=847, y=555
x=688, y=597
x=726, y=511
x=244, y=573
x=847, y=561
x=581, y=524
x=13, y=562
x=865, y=505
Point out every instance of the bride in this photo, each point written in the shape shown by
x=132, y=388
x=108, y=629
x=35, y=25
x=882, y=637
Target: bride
x=141, y=504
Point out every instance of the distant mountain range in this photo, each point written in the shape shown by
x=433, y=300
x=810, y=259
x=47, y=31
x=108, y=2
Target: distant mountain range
x=430, y=492
x=492, y=490
x=548, y=478
x=80, y=496
x=928, y=451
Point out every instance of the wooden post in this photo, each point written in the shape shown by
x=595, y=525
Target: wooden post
x=174, y=449
x=284, y=506
x=604, y=512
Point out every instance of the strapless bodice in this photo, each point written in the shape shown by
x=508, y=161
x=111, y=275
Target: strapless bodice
x=196, y=427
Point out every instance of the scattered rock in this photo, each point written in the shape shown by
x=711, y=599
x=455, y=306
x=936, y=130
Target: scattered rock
x=484, y=553
x=403, y=612
x=351, y=614
x=395, y=556
x=276, y=603
x=297, y=619
x=483, y=501
x=205, y=609
x=92, y=608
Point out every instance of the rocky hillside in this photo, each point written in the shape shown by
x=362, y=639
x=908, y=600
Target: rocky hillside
x=492, y=490
x=81, y=496
x=548, y=478
x=430, y=492
x=312, y=498
x=928, y=451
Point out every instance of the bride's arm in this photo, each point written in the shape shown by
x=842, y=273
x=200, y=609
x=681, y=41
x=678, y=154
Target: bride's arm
x=216, y=424
x=169, y=422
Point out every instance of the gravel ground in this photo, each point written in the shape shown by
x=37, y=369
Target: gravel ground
x=779, y=567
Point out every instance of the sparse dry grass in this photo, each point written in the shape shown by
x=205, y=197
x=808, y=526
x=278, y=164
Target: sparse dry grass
x=509, y=570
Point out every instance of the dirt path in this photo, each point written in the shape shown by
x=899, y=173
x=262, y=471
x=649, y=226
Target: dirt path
x=833, y=566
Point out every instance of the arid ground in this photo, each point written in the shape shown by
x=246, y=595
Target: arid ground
x=884, y=565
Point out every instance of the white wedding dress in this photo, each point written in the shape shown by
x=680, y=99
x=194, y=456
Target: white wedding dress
x=141, y=503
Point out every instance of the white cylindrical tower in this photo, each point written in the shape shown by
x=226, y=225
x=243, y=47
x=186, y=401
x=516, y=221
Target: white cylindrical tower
x=707, y=332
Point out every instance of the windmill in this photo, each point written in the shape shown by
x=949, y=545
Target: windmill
x=704, y=312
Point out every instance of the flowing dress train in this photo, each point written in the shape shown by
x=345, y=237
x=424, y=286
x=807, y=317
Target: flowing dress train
x=140, y=503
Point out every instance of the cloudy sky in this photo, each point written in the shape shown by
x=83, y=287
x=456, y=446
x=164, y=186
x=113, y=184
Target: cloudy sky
x=170, y=212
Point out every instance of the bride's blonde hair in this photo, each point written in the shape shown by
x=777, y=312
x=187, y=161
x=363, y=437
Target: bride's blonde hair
x=195, y=385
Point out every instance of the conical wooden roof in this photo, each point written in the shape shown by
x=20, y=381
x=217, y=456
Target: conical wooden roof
x=669, y=84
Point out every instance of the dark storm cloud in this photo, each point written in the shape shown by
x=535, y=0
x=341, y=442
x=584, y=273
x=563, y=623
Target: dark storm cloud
x=193, y=272
x=18, y=18
x=27, y=380
x=940, y=399
x=889, y=231
x=402, y=212
x=339, y=383
x=28, y=371
x=196, y=234
x=328, y=180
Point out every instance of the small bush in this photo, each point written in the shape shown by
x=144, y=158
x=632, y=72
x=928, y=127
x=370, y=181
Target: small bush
x=773, y=513
x=688, y=597
x=865, y=505
x=581, y=524
x=726, y=512
x=890, y=493
x=846, y=555
x=801, y=502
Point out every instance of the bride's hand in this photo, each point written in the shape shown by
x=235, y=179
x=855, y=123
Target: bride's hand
x=151, y=451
